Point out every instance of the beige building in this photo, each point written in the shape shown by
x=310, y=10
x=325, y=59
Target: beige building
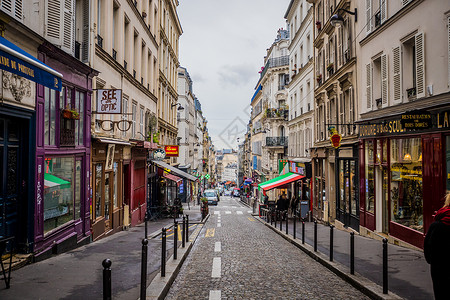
x=168, y=37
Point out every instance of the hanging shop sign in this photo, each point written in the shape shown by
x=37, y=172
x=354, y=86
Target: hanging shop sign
x=109, y=101
x=416, y=120
x=336, y=139
x=159, y=154
x=171, y=150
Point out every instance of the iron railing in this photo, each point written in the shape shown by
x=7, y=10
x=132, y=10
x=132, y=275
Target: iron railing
x=278, y=141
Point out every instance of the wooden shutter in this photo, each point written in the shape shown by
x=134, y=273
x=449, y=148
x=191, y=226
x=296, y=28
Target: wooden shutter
x=397, y=69
x=368, y=16
x=384, y=79
x=383, y=10
x=85, y=38
x=14, y=8
x=369, y=85
x=404, y=2
x=68, y=44
x=53, y=22
x=420, y=65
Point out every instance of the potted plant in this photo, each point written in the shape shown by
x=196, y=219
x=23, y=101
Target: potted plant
x=330, y=67
x=70, y=113
x=156, y=137
x=319, y=78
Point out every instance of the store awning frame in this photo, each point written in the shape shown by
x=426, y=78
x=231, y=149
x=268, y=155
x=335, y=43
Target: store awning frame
x=17, y=61
x=174, y=170
x=279, y=181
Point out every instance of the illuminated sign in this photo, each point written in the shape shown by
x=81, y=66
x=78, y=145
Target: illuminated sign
x=109, y=101
x=336, y=139
x=171, y=151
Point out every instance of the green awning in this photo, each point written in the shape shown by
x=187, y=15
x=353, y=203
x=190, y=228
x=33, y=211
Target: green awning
x=279, y=181
x=53, y=181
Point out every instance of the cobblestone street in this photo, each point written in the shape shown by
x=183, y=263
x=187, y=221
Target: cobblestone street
x=237, y=257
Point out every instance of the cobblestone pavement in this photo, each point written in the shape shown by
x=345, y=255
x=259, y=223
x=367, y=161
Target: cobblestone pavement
x=237, y=257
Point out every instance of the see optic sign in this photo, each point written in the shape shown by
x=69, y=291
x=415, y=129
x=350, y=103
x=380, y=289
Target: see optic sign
x=109, y=101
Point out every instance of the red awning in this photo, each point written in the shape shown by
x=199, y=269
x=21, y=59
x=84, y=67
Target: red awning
x=172, y=177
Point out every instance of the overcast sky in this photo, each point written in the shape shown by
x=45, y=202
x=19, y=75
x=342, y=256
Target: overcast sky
x=223, y=47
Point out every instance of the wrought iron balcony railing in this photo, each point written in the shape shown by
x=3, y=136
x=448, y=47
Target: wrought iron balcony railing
x=278, y=141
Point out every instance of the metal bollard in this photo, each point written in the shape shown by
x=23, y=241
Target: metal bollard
x=163, y=253
x=303, y=232
x=331, y=242
x=315, y=235
x=276, y=217
x=281, y=222
x=295, y=225
x=287, y=223
x=144, y=268
x=385, y=266
x=352, y=253
x=107, y=279
x=146, y=230
x=175, y=239
x=187, y=228
x=183, y=228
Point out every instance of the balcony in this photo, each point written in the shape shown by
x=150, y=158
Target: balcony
x=275, y=62
x=276, y=113
x=278, y=141
x=100, y=41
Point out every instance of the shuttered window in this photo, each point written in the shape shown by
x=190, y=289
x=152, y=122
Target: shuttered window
x=383, y=10
x=384, y=79
x=53, y=23
x=60, y=24
x=397, y=68
x=420, y=64
x=369, y=86
x=14, y=8
x=368, y=16
x=404, y=2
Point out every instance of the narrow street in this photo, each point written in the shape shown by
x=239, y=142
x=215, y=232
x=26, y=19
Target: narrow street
x=237, y=257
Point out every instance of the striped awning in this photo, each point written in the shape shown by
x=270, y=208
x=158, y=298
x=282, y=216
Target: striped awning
x=172, y=177
x=53, y=181
x=279, y=181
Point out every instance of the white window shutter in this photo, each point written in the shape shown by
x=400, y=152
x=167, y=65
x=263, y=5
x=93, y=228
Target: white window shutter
x=404, y=2
x=53, y=21
x=384, y=79
x=68, y=44
x=14, y=8
x=368, y=16
x=86, y=26
x=369, y=85
x=383, y=10
x=397, y=69
x=420, y=65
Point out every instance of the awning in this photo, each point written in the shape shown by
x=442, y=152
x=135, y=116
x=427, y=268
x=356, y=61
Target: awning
x=113, y=141
x=174, y=170
x=280, y=181
x=15, y=60
x=172, y=177
x=53, y=181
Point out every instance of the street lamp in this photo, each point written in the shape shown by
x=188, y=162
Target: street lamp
x=180, y=107
x=337, y=20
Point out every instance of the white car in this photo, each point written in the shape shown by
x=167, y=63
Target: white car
x=227, y=193
x=212, y=196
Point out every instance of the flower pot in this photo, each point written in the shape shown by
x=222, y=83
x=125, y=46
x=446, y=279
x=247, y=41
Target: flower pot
x=66, y=114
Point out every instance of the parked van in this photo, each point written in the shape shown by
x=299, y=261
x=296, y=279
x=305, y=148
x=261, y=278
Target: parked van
x=212, y=196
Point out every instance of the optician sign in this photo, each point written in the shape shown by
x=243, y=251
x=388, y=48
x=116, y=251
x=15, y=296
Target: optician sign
x=109, y=101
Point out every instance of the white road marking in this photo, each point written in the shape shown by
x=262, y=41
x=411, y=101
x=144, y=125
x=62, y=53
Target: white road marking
x=219, y=225
x=228, y=212
x=215, y=295
x=249, y=211
x=216, y=267
x=239, y=212
x=218, y=247
x=217, y=212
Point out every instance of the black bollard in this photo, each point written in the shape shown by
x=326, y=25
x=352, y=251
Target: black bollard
x=163, y=252
x=352, y=253
x=281, y=221
x=183, y=228
x=175, y=239
x=315, y=235
x=385, y=266
x=146, y=230
x=331, y=242
x=144, y=268
x=187, y=228
x=303, y=232
x=295, y=225
x=107, y=279
x=287, y=223
x=276, y=217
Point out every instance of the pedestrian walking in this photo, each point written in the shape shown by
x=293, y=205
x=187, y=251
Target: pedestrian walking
x=437, y=249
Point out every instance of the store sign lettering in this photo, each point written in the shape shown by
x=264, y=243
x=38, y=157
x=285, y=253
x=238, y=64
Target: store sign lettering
x=109, y=101
x=442, y=120
x=379, y=129
x=171, y=151
x=416, y=120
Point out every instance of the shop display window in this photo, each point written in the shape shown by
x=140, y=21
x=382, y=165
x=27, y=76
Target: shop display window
x=59, y=204
x=406, y=182
x=369, y=177
x=98, y=189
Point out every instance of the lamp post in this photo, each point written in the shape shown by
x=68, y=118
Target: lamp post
x=337, y=20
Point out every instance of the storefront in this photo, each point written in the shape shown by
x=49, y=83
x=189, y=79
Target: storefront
x=110, y=170
x=404, y=169
x=63, y=156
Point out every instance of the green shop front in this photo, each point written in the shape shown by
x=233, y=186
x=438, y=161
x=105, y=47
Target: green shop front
x=404, y=167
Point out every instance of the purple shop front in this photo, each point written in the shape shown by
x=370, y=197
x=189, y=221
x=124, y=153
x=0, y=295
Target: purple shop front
x=63, y=140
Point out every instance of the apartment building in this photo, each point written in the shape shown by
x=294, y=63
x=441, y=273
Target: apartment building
x=404, y=105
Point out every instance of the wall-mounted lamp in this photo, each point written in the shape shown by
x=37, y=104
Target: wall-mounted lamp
x=265, y=130
x=337, y=20
x=179, y=106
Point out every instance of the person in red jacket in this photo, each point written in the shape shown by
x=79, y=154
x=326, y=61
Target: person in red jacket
x=437, y=250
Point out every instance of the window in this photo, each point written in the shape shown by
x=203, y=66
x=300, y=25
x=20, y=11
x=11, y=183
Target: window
x=79, y=125
x=141, y=122
x=124, y=113
x=369, y=176
x=133, y=120
x=61, y=204
x=115, y=31
x=50, y=116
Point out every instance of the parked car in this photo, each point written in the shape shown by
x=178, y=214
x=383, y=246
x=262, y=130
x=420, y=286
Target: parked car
x=236, y=192
x=212, y=196
x=227, y=193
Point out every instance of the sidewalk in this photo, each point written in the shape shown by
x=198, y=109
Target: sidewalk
x=408, y=272
x=77, y=274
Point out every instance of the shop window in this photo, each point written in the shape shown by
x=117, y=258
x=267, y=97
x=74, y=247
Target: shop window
x=59, y=202
x=369, y=177
x=406, y=182
x=115, y=193
x=49, y=116
x=447, y=154
x=98, y=189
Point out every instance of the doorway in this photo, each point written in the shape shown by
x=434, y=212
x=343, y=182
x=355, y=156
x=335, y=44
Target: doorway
x=347, y=200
